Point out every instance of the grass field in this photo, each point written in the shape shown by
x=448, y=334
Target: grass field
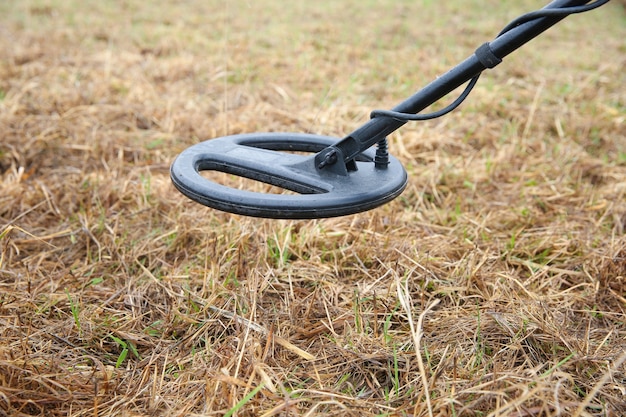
x=494, y=286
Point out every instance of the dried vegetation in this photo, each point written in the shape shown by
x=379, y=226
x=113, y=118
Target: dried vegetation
x=495, y=285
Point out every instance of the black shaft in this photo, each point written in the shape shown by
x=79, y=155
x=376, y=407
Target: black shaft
x=378, y=128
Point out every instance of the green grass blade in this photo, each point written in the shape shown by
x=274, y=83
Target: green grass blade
x=243, y=401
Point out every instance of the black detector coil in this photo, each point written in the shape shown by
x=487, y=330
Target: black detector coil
x=338, y=177
x=269, y=158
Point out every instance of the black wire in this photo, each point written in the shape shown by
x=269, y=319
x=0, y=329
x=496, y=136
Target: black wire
x=565, y=11
x=408, y=117
x=537, y=14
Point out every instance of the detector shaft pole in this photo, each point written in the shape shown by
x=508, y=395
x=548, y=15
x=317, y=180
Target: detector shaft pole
x=378, y=128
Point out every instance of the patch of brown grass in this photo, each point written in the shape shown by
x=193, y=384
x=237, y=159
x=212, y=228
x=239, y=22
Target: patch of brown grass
x=495, y=285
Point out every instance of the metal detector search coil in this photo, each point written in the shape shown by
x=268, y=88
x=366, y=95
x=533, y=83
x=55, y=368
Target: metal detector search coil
x=346, y=176
x=261, y=157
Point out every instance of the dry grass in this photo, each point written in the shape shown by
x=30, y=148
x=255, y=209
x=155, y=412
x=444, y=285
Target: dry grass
x=495, y=285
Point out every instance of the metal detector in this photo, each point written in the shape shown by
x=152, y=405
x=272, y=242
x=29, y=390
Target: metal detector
x=330, y=177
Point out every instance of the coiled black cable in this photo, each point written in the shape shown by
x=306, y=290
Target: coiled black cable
x=537, y=14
